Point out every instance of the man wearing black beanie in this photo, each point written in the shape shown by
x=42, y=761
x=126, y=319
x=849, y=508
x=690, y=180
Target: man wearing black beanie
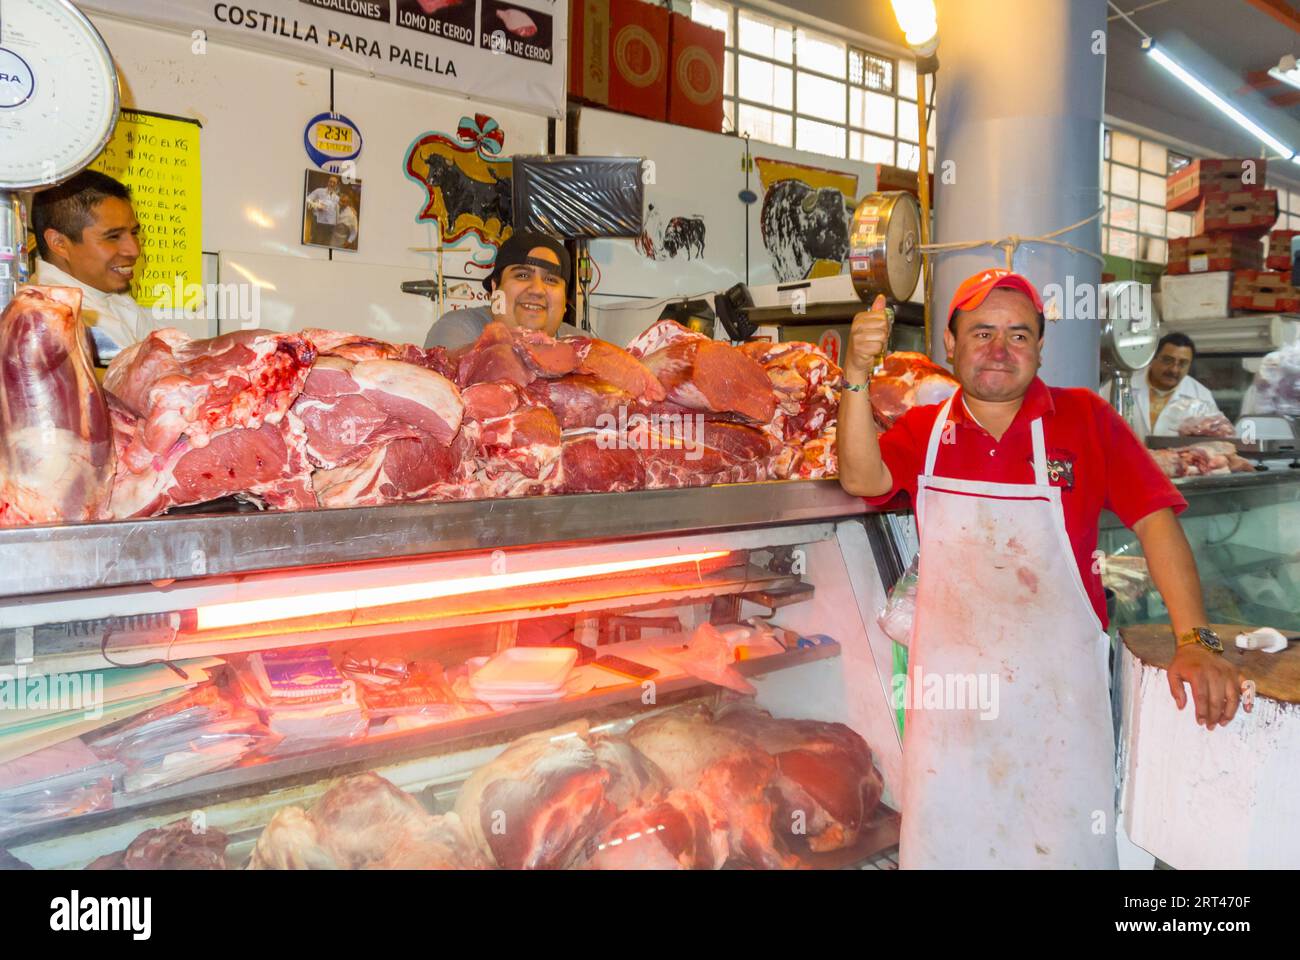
x=527, y=285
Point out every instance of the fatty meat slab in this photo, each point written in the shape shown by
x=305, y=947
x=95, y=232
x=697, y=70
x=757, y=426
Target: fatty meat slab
x=730, y=769
x=826, y=775
x=177, y=846
x=363, y=821
x=908, y=380
x=354, y=347
x=678, y=830
x=534, y=806
x=194, y=389
x=56, y=449
x=705, y=375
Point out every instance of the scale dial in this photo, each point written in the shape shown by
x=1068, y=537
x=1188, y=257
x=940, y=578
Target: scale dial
x=58, y=92
x=1130, y=328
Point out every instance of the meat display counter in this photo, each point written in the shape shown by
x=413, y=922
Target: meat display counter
x=210, y=689
x=1244, y=529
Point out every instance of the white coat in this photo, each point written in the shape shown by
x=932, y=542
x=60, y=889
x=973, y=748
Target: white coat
x=115, y=320
x=1191, y=399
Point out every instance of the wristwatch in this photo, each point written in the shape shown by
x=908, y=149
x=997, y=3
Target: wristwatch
x=1206, y=637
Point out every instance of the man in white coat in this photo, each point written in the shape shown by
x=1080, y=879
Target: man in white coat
x=87, y=236
x=1165, y=394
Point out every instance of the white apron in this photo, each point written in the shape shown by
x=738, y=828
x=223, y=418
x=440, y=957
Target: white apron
x=1016, y=768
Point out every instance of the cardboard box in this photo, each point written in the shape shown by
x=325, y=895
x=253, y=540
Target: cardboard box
x=696, y=76
x=1270, y=292
x=1279, y=249
x=619, y=56
x=1196, y=296
x=1214, y=252
x=1186, y=188
x=589, y=50
x=1251, y=212
x=898, y=178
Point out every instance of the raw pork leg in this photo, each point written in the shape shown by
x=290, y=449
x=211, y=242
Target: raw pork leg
x=537, y=802
x=56, y=449
x=679, y=831
x=828, y=783
x=268, y=463
x=908, y=380
x=604, y=361
x=196, y=388
x=349, y=409
x=729, y=768
x=706, y=374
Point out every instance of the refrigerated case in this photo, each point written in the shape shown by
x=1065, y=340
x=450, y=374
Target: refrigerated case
x=1244, y=530
x=442, y=584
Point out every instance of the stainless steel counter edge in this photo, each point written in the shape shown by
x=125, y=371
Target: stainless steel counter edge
x=45, y=559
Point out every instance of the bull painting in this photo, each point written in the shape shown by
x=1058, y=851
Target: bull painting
x=802, y=225
x=660, y=240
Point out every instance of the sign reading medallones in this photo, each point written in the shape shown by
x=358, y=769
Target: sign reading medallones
x=507, y=54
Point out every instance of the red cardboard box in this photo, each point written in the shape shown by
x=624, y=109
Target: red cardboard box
x=1279, y=249
x=1212, y=253
x=639, y=48
x=1250, y=212
x=618, y=56
x=696, y=77
x=1185, y=189
x=1268, y=292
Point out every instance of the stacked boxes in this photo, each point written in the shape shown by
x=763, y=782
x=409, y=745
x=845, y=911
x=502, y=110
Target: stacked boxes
x=1279, y=249
x=1220, y=251
x=696, y=74
x=1270, y=292
x=1230, y=210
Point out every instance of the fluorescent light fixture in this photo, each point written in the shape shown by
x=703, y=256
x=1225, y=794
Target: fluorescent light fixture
x=1160, y=57
x=919, y=23
x=243, y=612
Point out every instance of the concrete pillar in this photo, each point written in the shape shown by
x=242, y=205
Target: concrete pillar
x=1019, y=107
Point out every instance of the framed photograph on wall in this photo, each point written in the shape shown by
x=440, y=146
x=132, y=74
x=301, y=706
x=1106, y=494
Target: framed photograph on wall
x=331, y=211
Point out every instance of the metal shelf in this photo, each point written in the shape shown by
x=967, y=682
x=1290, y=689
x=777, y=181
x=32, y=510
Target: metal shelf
x=53, y=558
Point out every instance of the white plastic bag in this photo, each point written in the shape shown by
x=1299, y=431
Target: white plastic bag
x=1277, y=385
x=900, y=609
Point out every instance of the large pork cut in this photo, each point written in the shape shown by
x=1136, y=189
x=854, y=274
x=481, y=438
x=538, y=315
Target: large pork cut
x=908, y=380
x=679, y=830
x=398, y=471
x=362, y=822
x=518, y=356
x=703, y=374
x=350, y=408
x=729, y=768
x=616, y=367
x=56, y=450
x=194, y=389
x=268, y=464
x=534, y=806
x=828, y=784
x=355, y=347
x=176, y=846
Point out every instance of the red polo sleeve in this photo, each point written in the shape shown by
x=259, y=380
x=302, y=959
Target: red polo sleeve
x=1135, y=485
x=902, y=448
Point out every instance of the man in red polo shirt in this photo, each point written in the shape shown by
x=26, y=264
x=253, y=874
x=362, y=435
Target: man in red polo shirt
x=1008, y=479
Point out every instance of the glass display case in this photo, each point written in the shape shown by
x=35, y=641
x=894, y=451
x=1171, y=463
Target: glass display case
x=1244, y=530
x=377, y=686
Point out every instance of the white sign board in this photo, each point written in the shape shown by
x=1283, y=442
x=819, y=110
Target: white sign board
x=512, y=52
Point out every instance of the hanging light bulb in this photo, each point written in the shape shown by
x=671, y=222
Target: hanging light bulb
x=919, y=23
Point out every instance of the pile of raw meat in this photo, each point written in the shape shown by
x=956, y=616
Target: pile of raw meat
x=1212, y=458
x=295, y=421
x=689, y=788
x=1216, y=425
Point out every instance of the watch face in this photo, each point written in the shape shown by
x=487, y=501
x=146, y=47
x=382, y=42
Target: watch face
x=1210, y=639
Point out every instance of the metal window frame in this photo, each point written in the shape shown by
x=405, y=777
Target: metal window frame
x=736, y=100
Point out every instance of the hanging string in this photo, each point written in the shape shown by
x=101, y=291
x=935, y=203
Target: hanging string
x=1010, y=243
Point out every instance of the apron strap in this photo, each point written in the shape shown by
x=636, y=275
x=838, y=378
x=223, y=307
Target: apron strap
x=1040, y=452
x=932, y=451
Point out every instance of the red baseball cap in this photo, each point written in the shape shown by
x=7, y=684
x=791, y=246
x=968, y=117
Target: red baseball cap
x=972, y=291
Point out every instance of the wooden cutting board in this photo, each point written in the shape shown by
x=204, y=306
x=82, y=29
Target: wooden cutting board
x=1276, y=675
